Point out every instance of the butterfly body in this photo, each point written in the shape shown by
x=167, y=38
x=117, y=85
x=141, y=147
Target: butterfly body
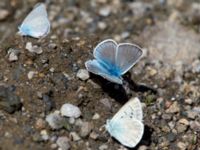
x=112, y=60
x=111, y=68
x=126, y=126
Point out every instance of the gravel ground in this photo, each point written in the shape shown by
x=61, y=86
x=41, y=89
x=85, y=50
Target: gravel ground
x=34, y=86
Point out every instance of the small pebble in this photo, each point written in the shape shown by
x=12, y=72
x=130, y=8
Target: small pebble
x=195, y=125
x=4, y=14
x=69, y=110
x=9, y=101
x=174, y=108
x=63, y=143
x=105, y=11
x=125, y=35
x=72, y=120
x=79, y=122
x=139, y=8
x=103, y=147
x=13, y=54
x=102, y=25
x=181, y=145
x=74, y=136
x=191, y=114
x=151, y=71
x=40, y=124
x=86, y=128
x=188, y=101
x=54, y=146
x=143, y=147
x=94, y=135
x=181, y=127
x=52, y=69
x=171, y=137
x=31, y=74
x=184, y=121
x=83, y=74
x=54, y=120
x=52, y=46
x=33, y=49
x=96, y=116
x=44, y=135
x=106, y=102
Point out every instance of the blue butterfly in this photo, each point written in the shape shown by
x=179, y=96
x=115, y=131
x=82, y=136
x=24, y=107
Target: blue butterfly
x=36, y=24
x=112, y=60
x=126, y=126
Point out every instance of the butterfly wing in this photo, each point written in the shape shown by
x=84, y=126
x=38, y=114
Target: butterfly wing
x=132, y=109
x=127, y=55
x=126, y=125
x=106, y=51
x=127, y=131
x=95, y=67
x=36, y=24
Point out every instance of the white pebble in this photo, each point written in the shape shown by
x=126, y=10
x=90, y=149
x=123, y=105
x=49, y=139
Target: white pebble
x=44, y=135
x=102, y=25
x=103, y=147
x=54, y=120
x=63, y=143
x=69, y=110
x=105, y=11
x=83, y=74
x=31, y=74
x=96, y=116
x=75, y=136
x=13, y=54
x=72, y=120
x=33, y=49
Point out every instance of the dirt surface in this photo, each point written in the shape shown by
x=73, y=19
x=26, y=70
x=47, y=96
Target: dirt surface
x=166, y=79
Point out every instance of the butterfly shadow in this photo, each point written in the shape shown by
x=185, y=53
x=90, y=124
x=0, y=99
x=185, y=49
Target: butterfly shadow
x=146, y=138
x=114, y=90
x=137, y=87
x=117, y=91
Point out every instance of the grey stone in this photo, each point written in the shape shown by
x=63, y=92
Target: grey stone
x=105, y=11
x=195, y=125
x=54, y=120
x=106, y=102
x=94, y=135
x=174, y=108
x=83, y=74
x=171, y=137
x=191, y=114
x=13, y=54
x=181, y=127
x=139, y=9
x=86, y=128
x=75, y=136
x=33, y=48
x=181, y=145
x=143, y=147
x=63, y=143
x=103, y=147
x=69, y=110
x=9, y=101
x=44, y=135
